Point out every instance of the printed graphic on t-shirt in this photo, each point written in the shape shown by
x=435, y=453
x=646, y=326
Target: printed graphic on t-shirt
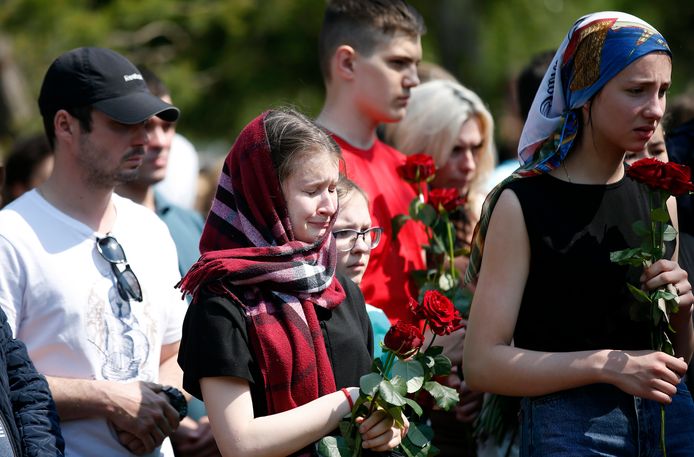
x=121, y=337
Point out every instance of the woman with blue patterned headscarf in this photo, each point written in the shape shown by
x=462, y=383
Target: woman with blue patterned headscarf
x=551, y=318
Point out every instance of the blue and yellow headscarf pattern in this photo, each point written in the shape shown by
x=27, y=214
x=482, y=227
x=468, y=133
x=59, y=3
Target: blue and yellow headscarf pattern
x=595, y=50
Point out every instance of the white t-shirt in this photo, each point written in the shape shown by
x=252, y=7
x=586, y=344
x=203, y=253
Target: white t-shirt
x=180, y=186
x=61, y=299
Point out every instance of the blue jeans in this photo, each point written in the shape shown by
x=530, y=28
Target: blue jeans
x=601, y=420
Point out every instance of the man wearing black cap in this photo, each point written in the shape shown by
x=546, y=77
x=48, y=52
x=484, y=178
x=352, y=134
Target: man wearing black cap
x=87, y=278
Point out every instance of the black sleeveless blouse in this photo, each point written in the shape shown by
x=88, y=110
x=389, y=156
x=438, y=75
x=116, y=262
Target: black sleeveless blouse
x=575, y=298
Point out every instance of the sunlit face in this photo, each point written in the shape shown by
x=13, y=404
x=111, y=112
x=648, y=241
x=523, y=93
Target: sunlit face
x=112, y=152
x=383, y=79
x=461, y=165
x=354, y=214
x=310, y=194
x=161, y=134
x=654, y=148
x=624, y=115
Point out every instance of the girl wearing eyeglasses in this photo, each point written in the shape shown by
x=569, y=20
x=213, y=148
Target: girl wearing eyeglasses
x=354, y=239
x=273, y=342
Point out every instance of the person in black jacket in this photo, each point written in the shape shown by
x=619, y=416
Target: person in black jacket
x=29, y=423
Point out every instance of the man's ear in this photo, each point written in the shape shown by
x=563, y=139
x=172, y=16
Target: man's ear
x=64, y=125
x=343, y=62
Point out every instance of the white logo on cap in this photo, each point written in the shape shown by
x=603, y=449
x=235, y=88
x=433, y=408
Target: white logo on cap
x=133, y=76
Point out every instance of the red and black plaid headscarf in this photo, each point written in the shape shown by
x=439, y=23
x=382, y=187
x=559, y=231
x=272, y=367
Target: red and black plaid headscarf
x=248, y=241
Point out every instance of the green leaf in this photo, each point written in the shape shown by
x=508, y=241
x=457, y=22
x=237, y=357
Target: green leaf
x=631, y=257
x=642, y=229
x=445, y=397
x=433, y=351
x=369, y=383
x=462, y=299
x=664, y=294
x=412, y=372
x=400, y=384
x=397, y=222
x=396, y=413
x=415, y=204
x=390, y=394
x=333, y=446
x=348, y=430
x=428, y=361
x=377, y=365
x=417, y=437
x=437, y=246
x=427, y=214
x=638, y=294
x=670, y=233
x=660, y=215
x=657, y=315
x=415, y=406
x=442, y=366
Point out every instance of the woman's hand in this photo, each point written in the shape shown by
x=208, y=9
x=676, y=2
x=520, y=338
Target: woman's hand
x=379, y=432
x=665, y=272
x=647, y=374
x=470, y=405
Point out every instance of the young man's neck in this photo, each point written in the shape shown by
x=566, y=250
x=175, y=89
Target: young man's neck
x=348, y=124
x=90, y=205
x=142, y=194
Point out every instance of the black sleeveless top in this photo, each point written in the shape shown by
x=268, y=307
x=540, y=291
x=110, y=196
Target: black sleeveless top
x=575, y=298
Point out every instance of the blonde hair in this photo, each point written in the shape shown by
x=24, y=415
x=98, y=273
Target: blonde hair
x=435, y=113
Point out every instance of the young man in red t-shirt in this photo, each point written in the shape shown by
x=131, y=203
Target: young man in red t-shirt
x=369, y=53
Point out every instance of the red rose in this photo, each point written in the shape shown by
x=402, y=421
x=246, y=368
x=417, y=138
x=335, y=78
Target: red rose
x=648, y=171
x=673, y=178
x=445, y=199
x=678, y=179
x=403, y=339
x=417, y=168
x=439, y=312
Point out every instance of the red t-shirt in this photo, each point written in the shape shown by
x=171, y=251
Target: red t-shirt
x=386, y=283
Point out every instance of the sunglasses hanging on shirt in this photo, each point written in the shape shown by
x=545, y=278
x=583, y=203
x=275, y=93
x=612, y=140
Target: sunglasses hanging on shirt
x=126, y=281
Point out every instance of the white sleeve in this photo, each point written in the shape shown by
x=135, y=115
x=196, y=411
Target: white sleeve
x=12, y=283
x=176, y=309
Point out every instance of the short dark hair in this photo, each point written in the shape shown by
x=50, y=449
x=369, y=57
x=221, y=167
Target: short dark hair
x=82, y=113
x=529, y=80
x=346, y=187
x=291, y=136
x=155, y=85
x=25, y=155
x=362, y=24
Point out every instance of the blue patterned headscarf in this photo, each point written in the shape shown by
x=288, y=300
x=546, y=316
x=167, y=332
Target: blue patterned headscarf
x=595, y=50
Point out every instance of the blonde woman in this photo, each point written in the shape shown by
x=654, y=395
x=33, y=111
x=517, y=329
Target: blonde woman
x=452, y=124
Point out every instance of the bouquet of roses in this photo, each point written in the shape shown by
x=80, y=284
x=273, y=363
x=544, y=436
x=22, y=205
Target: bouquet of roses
x=399, y=375
x=433, y=208
x=664, y=179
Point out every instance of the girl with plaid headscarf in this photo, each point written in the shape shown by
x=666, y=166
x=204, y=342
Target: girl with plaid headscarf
x=550, y=319
x=273, y=342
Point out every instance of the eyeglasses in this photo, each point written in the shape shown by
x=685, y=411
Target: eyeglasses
x=126, y=281
x=346, y=239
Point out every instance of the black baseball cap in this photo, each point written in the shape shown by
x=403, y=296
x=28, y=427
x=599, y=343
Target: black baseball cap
x=105, y=80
